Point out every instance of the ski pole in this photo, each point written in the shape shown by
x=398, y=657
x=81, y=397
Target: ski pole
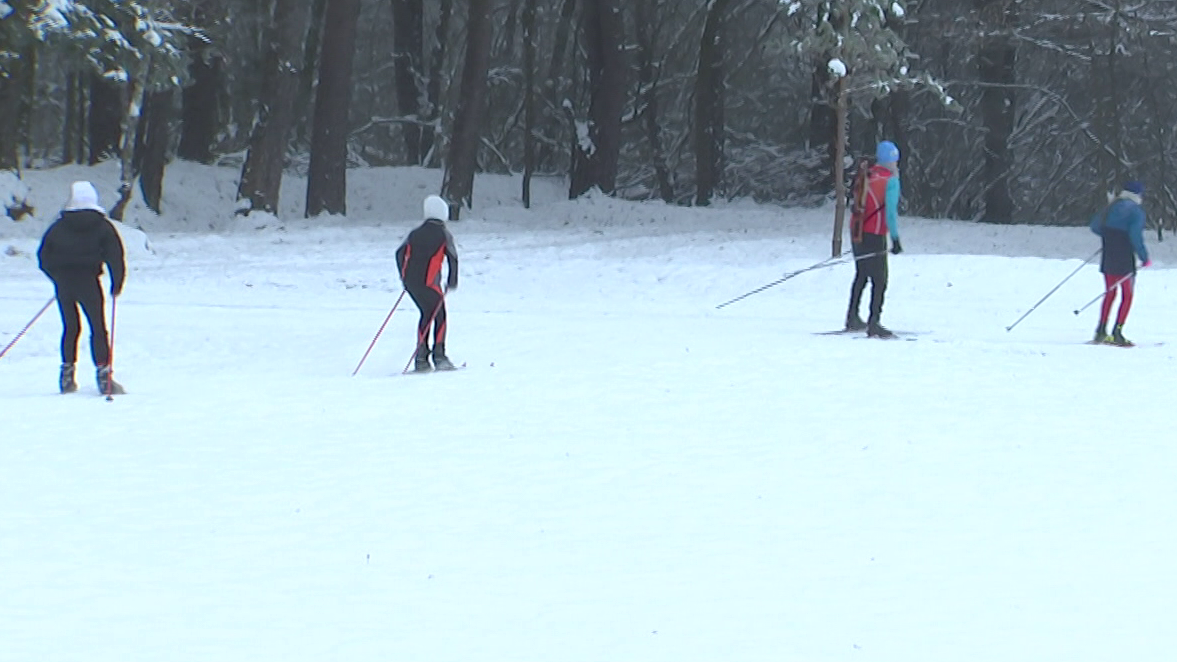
x=1056, y=287
x=828, y=262
x=424, y=335
x=110, y=361
x=1105, y=292
x=377, y=336
x=28, y=326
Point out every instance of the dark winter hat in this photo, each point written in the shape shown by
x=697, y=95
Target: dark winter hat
x=1134, y=186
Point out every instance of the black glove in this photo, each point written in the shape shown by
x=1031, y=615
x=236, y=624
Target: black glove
x=896, y=247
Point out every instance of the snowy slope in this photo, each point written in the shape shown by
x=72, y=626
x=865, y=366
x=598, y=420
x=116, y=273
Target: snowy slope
x=622, y=473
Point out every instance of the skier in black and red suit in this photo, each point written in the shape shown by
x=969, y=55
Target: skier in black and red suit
x=419, y=259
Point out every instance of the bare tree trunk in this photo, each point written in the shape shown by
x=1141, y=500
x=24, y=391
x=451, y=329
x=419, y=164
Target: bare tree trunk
x=306, y=77
x=995, y=66
x=137, y=88
x=554, y=83
x=458, y=182
x=433, y=88
x=261, y=176
x=198, y=121
x=157, y=113
x=13, y=101
x=327, y=176
x=408, y=52
x=839, y=178
x=528, y=21
x=648, y=101
x=80, y=119
x=596, y=161
x=106, y=112
x=709, y=124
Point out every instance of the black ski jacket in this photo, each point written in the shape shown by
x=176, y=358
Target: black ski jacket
x=78, y=243
x=419, y=257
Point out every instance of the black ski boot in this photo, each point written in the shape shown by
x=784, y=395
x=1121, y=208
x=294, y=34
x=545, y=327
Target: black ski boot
x=106, y=383
x=440, y=361
x=1101, y=336
x=876, y=330
x=421, y=362
x=854, y=322
x=1118, y=338
x=66, y=380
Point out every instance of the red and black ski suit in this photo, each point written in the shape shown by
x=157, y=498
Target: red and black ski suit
x=420, y=259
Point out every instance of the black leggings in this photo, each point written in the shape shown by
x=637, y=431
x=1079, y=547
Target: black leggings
x=85, y=291
x=431, y=303
x=872, y=268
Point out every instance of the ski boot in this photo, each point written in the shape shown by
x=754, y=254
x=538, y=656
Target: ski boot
x=421, y=361
x=1101, y=336
x=854, y=322
x=66, y=379
x=106, y=383
x=876, y=330
x=1118, y=338
x=440, y=361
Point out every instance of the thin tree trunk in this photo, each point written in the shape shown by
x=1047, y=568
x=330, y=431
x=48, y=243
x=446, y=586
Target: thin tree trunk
x=995, y=66
x=135, y=93
x=106, y=111
x=839, y=154
x=596, y=161
x=554, y=83
x=80, y=120
x=408, y=50
x=157, y=117
x=67, y=126
x=433, y=89
x=327, y=176
x=458, y=181
x=261, y=175
x=310, y=67
x=198, y=123
x=528, y=24
x=709, y=121
x=648, y=84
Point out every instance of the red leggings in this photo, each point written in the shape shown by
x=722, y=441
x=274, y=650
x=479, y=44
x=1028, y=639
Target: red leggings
x=1109, y=297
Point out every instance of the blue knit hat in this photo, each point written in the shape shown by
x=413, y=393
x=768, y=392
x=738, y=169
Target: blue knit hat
x=1134, y=186
x=887, y=152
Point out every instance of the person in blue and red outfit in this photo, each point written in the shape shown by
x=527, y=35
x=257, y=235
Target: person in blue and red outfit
x=874, y=216
x=419, y=259
x=1121, y=228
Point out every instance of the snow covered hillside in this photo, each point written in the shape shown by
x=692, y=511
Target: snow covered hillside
x=622, y=473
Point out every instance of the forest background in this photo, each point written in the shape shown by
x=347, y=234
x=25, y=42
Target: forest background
x=1007, y=111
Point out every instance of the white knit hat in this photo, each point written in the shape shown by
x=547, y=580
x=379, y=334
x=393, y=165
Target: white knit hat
x=83, y=195
x=436, y=207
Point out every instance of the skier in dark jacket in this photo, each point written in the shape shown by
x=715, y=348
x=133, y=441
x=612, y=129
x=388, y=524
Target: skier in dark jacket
x=1121, y=229
x=875, y=216
x=419, y=259
x=72, y=253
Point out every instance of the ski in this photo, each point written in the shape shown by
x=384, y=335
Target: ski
x=435, y=370
x=1112, y=344
x=905, y=335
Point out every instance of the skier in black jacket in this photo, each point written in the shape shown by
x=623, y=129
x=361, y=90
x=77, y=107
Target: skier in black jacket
x=72, y=253
x=419, y=260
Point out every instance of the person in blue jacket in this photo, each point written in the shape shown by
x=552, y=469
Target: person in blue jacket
x=1121, y=228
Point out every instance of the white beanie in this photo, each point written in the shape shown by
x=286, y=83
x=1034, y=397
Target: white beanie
x=436, y=207
x=83, y=196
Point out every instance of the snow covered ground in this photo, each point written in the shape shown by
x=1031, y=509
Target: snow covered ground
x=623, y=473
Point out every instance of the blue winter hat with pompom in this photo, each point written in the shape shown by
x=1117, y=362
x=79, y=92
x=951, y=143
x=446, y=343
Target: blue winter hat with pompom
x=887, y=152
x=1134, y=186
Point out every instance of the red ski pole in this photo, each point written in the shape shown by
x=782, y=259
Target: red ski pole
x=28, y=326
x=377, y=336
x=424, y=336
x=110, y=361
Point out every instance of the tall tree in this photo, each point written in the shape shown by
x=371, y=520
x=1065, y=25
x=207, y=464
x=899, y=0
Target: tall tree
x=433, y=87
x=105, y=118
x=408, y=52
x=996, y=60
x=200, y=100
x=327, y=176
x=261, y=175
x=709, y=84
x=152, y=153
x=458, y=181
x=648, y=79
x=597, y=151
x=528, y=23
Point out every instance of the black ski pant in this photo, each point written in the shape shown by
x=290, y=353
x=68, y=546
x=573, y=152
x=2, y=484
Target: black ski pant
x=870, y=263
x=83, y=290
x=431, y=303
